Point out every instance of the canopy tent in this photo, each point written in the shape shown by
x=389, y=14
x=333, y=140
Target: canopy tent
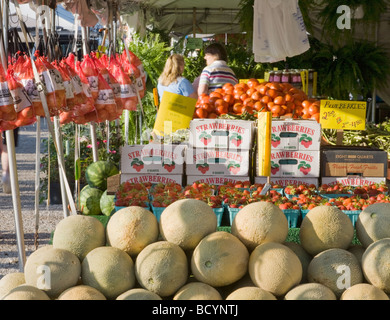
x=187, y=16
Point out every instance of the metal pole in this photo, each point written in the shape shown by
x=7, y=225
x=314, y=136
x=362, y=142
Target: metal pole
x=12, y=157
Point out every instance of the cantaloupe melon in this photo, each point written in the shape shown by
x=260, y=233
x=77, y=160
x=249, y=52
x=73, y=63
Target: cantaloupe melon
x=131, y=229
x=275, y=268
x=197, y=291
x=260, y=222
x=310, y=291
x=364, y=291
x=219, y=259
x=138, y=294
x=338, y=269
x=26, y=292
x=10, y=281
x=81, y=292
x=79, y=234
x=375, y=264
x=53, y=270
x=109, y=270
x=250, y=293
x=373, y=223
x=325, y=227
x=185, y=222
x=162, y=267
x=303, y=256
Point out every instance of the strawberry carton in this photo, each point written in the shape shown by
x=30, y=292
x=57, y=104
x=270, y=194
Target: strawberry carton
x=154, y=179
x=295, y=163
x=288, y=181
x=217, y=162
x=222, y=133
x=295, y=135
x=217, y=180
x=153, y=159
x=353, y=181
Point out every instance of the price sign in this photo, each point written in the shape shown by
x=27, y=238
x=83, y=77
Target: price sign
x=343, y=115
x=175, y=113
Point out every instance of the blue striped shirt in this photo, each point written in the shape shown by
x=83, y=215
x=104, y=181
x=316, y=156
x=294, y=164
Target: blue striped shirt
x=216, y=75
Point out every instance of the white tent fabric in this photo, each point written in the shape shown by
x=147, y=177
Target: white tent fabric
x=278, y=30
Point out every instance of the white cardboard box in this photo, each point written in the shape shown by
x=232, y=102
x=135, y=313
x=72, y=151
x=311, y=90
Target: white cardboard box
x=221, y=162
x=153, y=159
x=302, y=164
x=216, y=180
x=352, y=181
x=288, y=181
x=153, y=178
x=222, y=133
x=295, y=135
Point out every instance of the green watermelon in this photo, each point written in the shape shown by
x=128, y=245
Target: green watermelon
x=90, y=200
x=97, y=173
x=107, y=204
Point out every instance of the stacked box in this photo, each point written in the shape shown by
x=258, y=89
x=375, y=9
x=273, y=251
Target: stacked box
x=295, y=151
x=352, y=181
x=219, y=148
x=353, y=166
x=303, y=135
x=153, y=163
x=340, y=161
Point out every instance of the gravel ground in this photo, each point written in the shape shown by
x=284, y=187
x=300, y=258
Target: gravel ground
x=48, y=216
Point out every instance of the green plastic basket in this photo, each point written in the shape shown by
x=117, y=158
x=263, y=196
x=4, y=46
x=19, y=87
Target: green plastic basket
x=292, y=216
x=219, y=213
x=157, y=211
x=353, y=215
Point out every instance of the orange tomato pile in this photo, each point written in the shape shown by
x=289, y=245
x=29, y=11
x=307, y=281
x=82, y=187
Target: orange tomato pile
x=281, y=99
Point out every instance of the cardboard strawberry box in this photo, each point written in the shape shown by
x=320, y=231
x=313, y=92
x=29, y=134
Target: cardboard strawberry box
x=153, y=159
x=288, y=181
x=302, y=135
x=216, y=180
x=224, y=162
x=352, y=181
x=152, y=178
x=302, y=164
x=341, y=161
x=221, y=133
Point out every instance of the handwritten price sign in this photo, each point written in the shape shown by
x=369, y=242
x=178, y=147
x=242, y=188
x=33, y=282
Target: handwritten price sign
x=344, y=115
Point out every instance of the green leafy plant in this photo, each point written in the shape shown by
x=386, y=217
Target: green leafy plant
x=356, y=69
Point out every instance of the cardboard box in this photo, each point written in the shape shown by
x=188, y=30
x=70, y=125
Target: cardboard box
x=288, y=181
x=153, y=159
x=216, y=180
x=221, y=133
x=295, y=135
x=115, y=181
x=221, y=162
x=352, y=181
x=340, y=161
x=302, y=164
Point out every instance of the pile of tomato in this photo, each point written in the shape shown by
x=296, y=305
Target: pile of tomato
x=281, y=99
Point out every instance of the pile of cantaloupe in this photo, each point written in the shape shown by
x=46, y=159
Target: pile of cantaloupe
x=185, y=257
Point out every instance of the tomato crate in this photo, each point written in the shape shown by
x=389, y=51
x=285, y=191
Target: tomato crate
x=292, y=216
